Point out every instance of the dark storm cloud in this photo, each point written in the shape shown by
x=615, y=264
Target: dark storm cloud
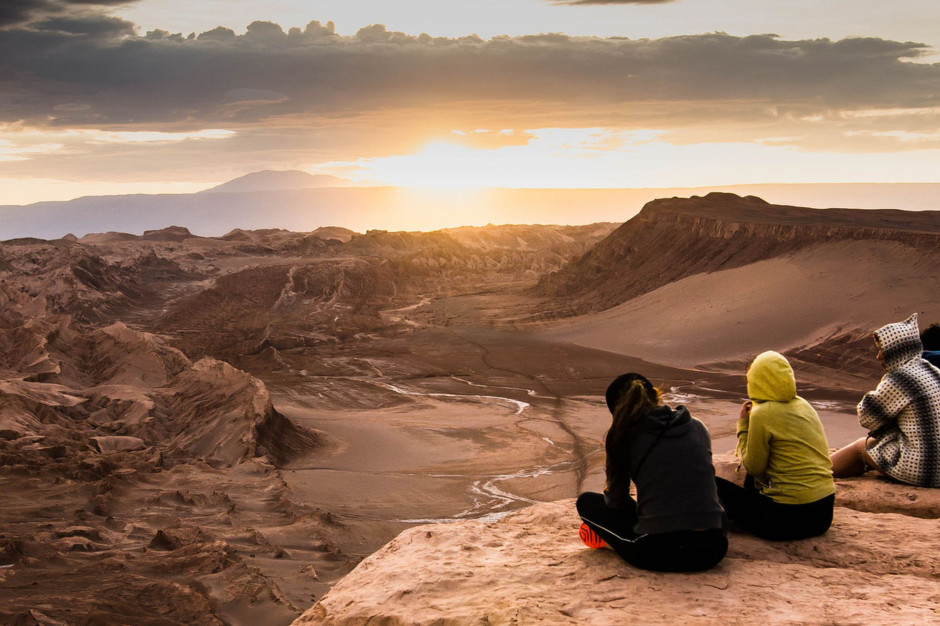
x=17, y=11
x=23, y=11
x=95, y=74
x=91, y=25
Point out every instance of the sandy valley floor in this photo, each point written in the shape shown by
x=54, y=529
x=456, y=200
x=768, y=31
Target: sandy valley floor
x=468, y=421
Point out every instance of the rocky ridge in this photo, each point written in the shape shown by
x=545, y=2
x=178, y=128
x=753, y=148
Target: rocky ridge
x=671, y=239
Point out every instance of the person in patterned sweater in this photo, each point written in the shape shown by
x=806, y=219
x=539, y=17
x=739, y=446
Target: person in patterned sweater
x=902, y=414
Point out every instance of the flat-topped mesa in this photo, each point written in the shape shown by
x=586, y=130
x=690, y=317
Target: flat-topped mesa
x=673, y=238
x=730, y=208
x=170, y=233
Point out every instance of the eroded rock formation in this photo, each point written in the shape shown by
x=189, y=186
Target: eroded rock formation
x=141, y=472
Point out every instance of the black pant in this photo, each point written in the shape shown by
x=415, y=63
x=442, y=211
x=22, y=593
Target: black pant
x=679, y=551
x=762, y=516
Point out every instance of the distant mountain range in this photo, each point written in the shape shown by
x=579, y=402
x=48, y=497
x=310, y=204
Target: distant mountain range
x=278, y=180
x=302, y=202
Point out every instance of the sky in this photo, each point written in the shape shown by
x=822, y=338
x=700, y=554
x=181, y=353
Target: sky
x=175, y=96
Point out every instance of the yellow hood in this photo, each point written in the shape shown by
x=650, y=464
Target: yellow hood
x=770, y=378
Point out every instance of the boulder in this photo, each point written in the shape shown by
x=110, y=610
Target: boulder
x=116, y=443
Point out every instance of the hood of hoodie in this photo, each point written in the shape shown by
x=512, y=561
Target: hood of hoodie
x=667, y=420
x=900, y=343
x=770, y=378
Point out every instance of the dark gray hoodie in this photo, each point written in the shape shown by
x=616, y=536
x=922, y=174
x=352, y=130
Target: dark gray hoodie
x=670, y=462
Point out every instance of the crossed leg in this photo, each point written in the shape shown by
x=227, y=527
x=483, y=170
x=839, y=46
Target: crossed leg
x=853, y=459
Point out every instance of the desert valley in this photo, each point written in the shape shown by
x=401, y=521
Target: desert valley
x=218, y=430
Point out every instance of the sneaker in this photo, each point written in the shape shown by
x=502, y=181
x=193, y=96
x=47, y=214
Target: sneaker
x=590, y=538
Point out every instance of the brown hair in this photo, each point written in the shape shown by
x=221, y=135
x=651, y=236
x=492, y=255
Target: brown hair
x=631, y=397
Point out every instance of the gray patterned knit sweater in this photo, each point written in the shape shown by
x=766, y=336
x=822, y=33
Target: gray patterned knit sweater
x=904, y=411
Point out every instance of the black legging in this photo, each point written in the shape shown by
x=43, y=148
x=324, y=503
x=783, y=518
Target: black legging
x=762, y=516
x=679, y=551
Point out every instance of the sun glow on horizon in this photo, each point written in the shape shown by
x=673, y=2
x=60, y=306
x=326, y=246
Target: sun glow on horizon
x=552, y=158
x=438, y=166
x=598, y=158
x=447, y=165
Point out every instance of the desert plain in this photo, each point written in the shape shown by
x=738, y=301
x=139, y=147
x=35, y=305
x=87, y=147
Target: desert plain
x=218, y=430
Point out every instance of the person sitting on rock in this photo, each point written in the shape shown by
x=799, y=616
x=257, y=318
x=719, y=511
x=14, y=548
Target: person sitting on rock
x=902, y=414
x=788, y=491
x=930, y=338
x=676, y=522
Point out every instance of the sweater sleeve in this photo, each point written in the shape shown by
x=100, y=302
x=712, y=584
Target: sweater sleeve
x=617, y=491
x=754, y=444
x=880, y=408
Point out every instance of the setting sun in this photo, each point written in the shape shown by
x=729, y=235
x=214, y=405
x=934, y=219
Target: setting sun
x=440, y=165
x=600, y=158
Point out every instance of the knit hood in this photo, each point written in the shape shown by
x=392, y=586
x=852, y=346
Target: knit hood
x=770, y=378
x=900, y=343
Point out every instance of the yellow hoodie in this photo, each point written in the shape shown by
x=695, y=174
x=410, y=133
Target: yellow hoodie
x=783, y=445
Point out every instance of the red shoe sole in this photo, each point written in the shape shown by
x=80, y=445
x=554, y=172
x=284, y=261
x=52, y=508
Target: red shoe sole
x=590, y=538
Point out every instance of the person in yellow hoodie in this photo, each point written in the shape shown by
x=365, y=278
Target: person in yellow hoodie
x=789, y=492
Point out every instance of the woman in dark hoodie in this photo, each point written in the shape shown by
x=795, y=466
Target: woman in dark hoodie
x=676, y=522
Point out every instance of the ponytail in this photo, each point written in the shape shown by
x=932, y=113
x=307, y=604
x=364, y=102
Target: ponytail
x=630, y=398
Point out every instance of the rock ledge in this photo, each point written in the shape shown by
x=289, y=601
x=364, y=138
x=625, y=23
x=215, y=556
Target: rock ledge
x=875, y=565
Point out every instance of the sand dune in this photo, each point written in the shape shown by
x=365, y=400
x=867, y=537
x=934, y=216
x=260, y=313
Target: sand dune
x=675, y=238
x=788, y=303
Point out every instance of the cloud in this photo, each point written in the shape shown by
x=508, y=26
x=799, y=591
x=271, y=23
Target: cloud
x=17, y=11
x=612, y=1
x=23, y=11
x=161, y=78
x=309, y=95
x=91, y=25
